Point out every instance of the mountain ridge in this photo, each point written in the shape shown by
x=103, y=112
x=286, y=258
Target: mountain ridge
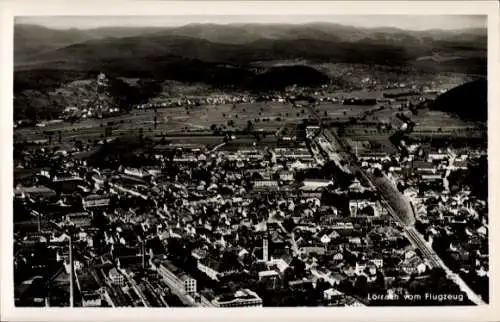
x=366, y=51
x=31, y=40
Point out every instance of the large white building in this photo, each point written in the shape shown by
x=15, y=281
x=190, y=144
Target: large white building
x=265, y=184
x=241, y=298
x=66, y=177
x=177, y=279
x=315, y=184
x=91, y=299
x=116, y=278
x=96, y=201
x=136, y=172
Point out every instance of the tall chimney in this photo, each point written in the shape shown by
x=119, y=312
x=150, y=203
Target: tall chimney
x=47, y=299
x=143, y=255
x=71, y=272
x=265, y=248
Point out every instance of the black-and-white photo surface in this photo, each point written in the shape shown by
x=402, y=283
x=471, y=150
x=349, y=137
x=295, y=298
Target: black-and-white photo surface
x=258, y=161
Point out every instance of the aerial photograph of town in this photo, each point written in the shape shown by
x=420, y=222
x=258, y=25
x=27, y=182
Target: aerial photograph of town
x=237, y=161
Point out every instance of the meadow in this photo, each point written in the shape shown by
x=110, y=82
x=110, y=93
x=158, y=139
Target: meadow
x=265, y=116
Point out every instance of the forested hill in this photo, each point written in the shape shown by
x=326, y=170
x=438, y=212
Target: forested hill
x=469, y=101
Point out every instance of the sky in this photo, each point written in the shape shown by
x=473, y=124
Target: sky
x=413, y=22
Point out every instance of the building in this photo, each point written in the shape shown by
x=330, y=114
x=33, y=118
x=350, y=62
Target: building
x=91, y=299
x=62, y=177
x=379, y=262
x=90, y=290
x=300, y=283
x=263, y=184
x=177, y=279
x=286, y=176
x=251, y=154
x=34, y=192
x=80, y=219
x=332, y=294
x=303, y=163
x=460, y=165
x=280, y=263
x=353, y=302
x=297, y=153
x=116, y=278
x=360, y=267
x=265, y=248
x=95, y=201
x=312, y=130
x=318, y=249
x=271, y=277
x=267, y=274
x=241, y=298
x=213, y=268
x=431, y=177
x=315, y=184
x=412, y=264
x=136, y=173
x=342, y=225
x=363, y=208
x=186, y=159
x=129, y=191
x=437, y=156
x=372, y=156
x=423, y=167
x=189, y=284
x=356, y=186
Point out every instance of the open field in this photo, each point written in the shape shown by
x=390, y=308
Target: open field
x=433, y=120
x=361, y=130
x=266, y=115
x=201, y=118
x=369, y=144
x=387, y=115
x=366, y=138
x=340, y=112
x=436, y=124
x=361, y=94
x=271, y=117
x=358, y=146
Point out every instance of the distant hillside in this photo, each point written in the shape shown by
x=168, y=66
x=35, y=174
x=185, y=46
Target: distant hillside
x=141, y=47
x=138, y=50
x=469, y=101
x=33, y=40
x=281, y=77
x=244, y=43
x=231, y=76
x=44, y=93
x=37, y=100
x=248, y=32
x=30, y=40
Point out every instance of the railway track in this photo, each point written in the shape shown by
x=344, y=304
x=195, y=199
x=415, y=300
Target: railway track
x=400, y=211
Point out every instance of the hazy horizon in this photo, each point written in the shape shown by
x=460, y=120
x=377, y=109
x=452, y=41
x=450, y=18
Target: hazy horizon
x=405, y=22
